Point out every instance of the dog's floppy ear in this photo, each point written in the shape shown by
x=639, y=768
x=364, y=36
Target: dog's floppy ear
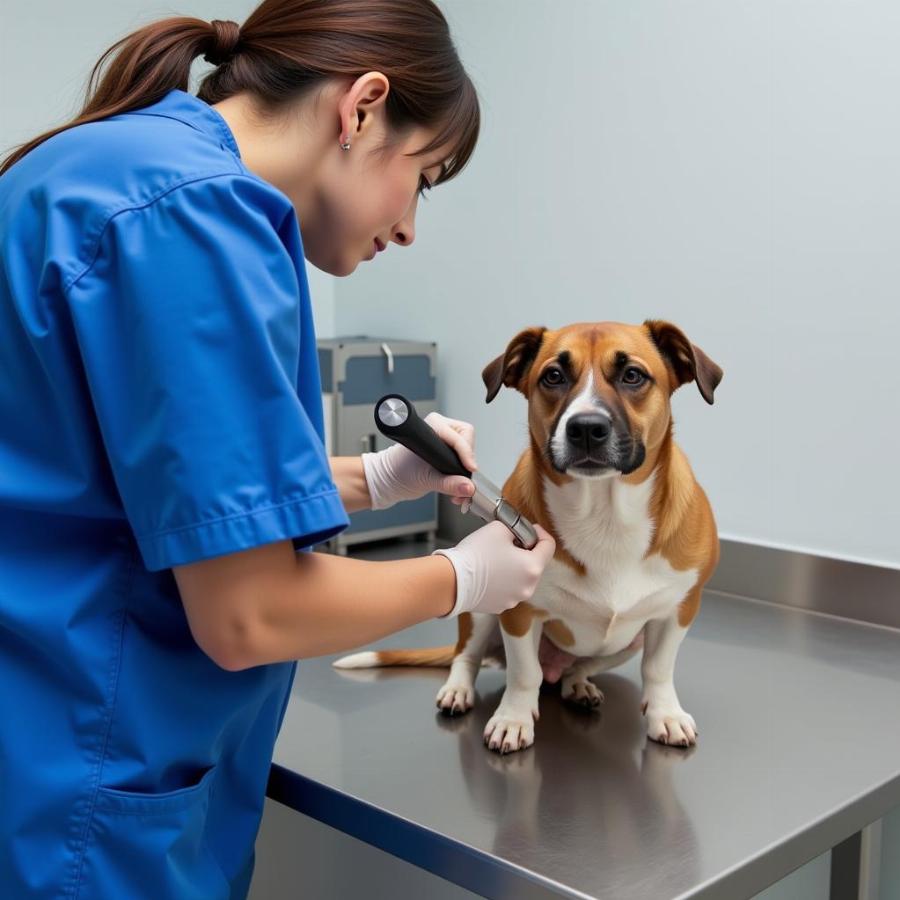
x=511, y=367
x=688, y=362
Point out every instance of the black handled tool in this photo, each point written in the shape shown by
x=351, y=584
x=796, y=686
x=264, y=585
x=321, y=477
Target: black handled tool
x=396, y=418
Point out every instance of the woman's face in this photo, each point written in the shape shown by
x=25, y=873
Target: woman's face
x=350, y=203
x=366, y=198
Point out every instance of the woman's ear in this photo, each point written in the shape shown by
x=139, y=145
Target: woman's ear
x=511, y=367
x=686, y=361
x=367, y=93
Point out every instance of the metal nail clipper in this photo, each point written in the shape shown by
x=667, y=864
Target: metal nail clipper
x=397, y=419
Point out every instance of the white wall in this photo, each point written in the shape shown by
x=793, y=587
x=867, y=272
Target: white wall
x=67, y=39
x=731, y=166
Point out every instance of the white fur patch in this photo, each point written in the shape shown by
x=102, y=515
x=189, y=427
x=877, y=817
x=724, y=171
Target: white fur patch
x=364, y=660
x=584, y=402
x=606, y=526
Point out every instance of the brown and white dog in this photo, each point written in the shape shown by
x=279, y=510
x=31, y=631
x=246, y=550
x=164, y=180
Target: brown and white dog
x=635, y=535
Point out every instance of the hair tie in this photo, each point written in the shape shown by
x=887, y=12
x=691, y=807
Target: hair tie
x=225, y=35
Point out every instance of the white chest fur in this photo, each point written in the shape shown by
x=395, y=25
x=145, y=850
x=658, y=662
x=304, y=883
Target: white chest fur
x=605, y=524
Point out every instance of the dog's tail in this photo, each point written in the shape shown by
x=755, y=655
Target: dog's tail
x=370, y=659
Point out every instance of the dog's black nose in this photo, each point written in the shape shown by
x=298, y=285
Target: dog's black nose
x=588, y=431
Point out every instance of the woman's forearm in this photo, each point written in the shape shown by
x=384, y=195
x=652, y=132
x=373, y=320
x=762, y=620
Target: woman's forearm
x=324, y=604
x=349, y=476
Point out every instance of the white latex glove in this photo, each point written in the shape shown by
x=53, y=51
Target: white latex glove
x=397, y=474
x=493, y=574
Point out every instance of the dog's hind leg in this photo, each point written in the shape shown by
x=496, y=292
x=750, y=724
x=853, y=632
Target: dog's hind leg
x=575, y=685
x=457, y=695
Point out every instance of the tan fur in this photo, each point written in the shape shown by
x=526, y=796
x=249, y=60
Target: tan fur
x=559, y=633
x=430, y=656
x=685, y=533
x=464, y=631
x=517, y=621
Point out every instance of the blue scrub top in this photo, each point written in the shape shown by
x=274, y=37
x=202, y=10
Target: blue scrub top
x=159, y=404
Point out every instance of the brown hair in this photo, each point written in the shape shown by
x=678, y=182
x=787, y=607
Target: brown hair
x=286, y=47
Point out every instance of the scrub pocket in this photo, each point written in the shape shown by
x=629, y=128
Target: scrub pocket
x=152, y=845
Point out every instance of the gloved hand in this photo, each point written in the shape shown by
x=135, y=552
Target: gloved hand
x=397, y=474
x=492, y=573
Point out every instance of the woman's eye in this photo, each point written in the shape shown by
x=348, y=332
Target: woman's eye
x=633, y=376
x=424, y=185
x=553, y=377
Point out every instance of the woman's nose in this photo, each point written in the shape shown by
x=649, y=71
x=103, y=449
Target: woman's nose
x=404, y=232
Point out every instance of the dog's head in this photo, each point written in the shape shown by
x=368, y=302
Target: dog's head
x=599, y=394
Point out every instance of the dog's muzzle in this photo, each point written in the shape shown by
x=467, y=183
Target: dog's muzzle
x=588, y=434
x=592, y=447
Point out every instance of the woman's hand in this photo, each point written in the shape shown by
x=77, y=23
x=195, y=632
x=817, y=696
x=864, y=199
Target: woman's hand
x=493, y=574
x=398, y=474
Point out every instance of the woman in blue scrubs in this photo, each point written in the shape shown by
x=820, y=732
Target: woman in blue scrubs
x=161, y=454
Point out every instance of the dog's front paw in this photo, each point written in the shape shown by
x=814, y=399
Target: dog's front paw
x=511, y=728
x=454, y=699
x=582, y=692
x=670, y=725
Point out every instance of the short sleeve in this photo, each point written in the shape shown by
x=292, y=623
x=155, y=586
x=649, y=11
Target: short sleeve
x=195, y=334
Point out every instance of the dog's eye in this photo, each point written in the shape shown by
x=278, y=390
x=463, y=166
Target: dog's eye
x=553, y=377
x=633, y=376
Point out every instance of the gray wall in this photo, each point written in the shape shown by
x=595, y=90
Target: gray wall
x=731, y=166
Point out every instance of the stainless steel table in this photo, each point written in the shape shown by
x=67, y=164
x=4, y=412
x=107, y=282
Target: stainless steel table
x=799, y=715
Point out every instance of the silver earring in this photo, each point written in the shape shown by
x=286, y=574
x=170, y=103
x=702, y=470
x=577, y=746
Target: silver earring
x=345, y=145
